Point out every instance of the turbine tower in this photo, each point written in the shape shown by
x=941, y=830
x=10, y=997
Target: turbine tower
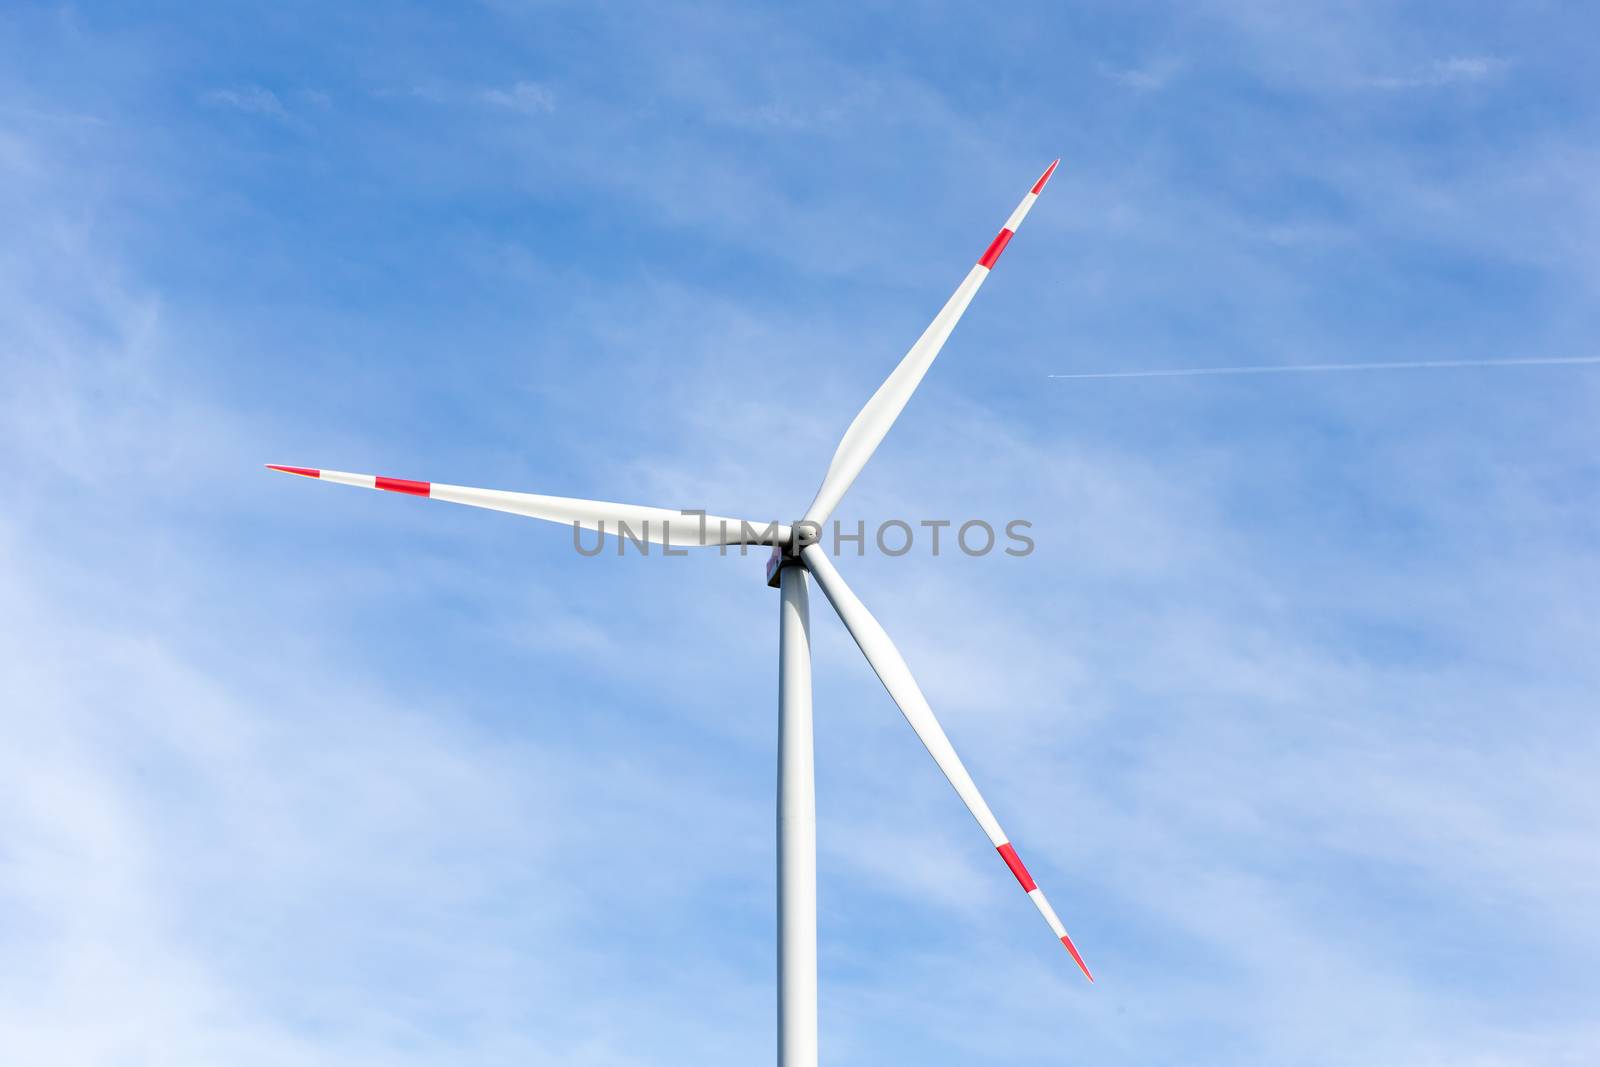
x=795, y=555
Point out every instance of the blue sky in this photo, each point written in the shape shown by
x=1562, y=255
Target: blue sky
x=1292, y=711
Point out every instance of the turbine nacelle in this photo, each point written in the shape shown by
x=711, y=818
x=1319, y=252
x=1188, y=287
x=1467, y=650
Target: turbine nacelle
x=801, y=535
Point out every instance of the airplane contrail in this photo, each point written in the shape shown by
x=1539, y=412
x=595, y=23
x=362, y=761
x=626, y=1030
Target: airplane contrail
x=1307, y=368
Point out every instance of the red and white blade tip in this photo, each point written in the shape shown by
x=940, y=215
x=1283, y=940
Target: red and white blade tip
x=1084, y=967
x=991, y=255
x=365, y=481
x=1008, y=853
x=1038, y=186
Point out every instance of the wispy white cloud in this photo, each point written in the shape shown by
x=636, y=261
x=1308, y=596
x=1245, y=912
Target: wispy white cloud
x=1146, y=78
x=1457, y=70
x=527, y=97
x=250, y=99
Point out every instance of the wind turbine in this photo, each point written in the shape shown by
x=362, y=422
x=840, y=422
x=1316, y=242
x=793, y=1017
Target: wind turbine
x=795, y=554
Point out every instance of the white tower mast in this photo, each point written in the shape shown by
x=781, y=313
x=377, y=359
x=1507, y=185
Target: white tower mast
x=797, y=829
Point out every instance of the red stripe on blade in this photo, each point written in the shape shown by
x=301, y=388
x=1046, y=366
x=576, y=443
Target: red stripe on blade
x=304, y=472
x=401, y=485
x=996, y=246
x=1038, y=186
x=1084, y=967
x=1009, y=854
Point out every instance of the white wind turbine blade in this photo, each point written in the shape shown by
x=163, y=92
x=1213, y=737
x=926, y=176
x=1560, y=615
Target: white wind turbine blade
x=896, y=678
x=662, y=526
x=873, y=421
